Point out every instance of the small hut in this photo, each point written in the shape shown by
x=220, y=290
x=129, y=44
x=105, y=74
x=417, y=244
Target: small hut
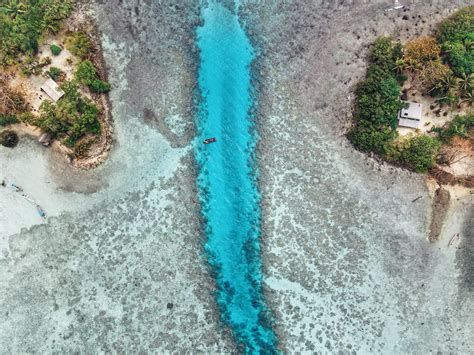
x=45, y=139
x=411, y=116
x=52, y=90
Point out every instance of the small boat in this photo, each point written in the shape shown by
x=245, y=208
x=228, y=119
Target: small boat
x=41, y=212
x=17, y=188
x=210, y=140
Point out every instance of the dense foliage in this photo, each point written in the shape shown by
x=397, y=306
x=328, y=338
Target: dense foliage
x=461, y=126
x=456, y=27
x=8, y=139
x=384, y=53
x=419, y=152
x=377, y=99
x=55, y=73
x=56, y=50
x=456, y=35
x=86, y=74
x=6, y=120
x=79, y=44
x=441, y=66
x=70, y=118
x=368, y=138
x=22, y=23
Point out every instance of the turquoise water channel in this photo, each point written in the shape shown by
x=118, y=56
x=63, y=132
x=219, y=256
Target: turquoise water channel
x=227, y=176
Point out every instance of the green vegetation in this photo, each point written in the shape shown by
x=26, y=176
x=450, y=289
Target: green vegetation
x=100, y=86
x=377, y=99
x=6, y=120
x=8, y=139
x=443, y=67
x=55, y=73
x=71, y=118
x=22, y=23
x=79, y=44
x=456, y=36
x=419, y=152
x=461, y=126
x=86, y=74
x=56, y=50
x=368, y=138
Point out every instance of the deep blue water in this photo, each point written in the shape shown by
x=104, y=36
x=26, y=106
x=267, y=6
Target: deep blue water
x=227, y=177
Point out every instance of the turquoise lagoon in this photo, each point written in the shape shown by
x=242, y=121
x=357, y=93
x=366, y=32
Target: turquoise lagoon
x=227, y=176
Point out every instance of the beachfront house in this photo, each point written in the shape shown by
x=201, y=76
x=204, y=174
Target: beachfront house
x=411, y=116
x=52, y=90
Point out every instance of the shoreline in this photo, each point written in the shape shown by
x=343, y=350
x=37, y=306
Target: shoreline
x=78, y=20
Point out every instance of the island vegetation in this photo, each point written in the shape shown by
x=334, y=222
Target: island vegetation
x=34, y=46
x=441, y=68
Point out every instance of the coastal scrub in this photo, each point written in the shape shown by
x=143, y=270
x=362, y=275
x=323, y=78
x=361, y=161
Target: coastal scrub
x=22, y=23
x=439, y=66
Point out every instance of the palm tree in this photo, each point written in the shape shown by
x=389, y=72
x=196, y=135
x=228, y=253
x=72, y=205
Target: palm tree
x=13, y=8
x=448, y=82
x=400, y=65
x=465, y=84
x=410, y=65
x=469, y=98
x=468, y=44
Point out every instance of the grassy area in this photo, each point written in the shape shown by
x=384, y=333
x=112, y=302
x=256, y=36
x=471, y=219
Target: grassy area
x=443, y=67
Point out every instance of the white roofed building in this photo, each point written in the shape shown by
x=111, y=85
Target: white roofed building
x=52, y=90
x=411, y=116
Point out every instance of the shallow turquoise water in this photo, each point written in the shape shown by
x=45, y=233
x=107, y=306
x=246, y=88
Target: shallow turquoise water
x=227, y=177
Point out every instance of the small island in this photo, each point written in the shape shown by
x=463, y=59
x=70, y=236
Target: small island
x=414, y=108
x=53, y=84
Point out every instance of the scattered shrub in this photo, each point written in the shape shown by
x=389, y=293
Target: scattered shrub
x=11, y=101
x=44, y=61
x=79, y=44
x=378, y=101
x=6, y=120
x=435, y=78
x=55, y=73
x=56, y=50
x=421, y=51
x=419, y=152
x=99, y=86
x=371, y=139
x=457, y=26
x=385, y=52
x=460, y=126
x=23, y=22
x=8, y=139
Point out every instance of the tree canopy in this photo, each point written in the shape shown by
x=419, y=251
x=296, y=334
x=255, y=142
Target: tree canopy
x=23, y=22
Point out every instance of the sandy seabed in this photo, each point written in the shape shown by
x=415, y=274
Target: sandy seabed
x=347, y=263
